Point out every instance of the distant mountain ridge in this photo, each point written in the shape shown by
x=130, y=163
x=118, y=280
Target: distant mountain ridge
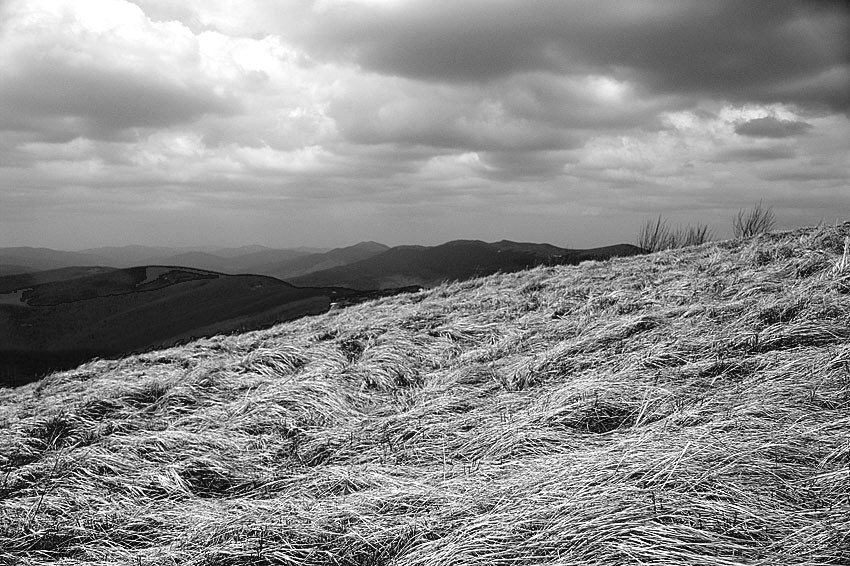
x=455, y=260
x=257, y=260
x=244, y=259
x=319, y=262
x=385, y=267
x=40, y=259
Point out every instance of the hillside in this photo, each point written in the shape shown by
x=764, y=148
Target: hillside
x=8, y=269
x=453, y=261
x=686, y=407
x=9, y=283
x=58, y=318
x=244, y=259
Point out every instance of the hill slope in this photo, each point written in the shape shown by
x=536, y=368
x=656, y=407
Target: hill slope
x=9, y=283
x=26, y=259
x=58, y=318
x=244, y=259
x=687, y=407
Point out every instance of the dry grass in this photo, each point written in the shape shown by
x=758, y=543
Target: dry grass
x=687, y=407
x=757, y=220
x=656, y=235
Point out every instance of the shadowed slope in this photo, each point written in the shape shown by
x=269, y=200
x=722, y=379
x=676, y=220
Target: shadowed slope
x=37, y=259
x=65, y=320
x=687, y=407
x=9, y=269
x=9, y=283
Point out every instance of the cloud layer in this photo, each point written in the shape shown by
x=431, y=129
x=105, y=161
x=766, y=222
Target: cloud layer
x=331, y=121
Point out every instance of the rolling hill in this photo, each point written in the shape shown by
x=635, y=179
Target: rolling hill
x=686, y=407
x=10, y=283
x=129, y=256
x=244, y=259
x=457, y=260
x=38, y=259
x=319, y=262
x=257, y=260
x=11, y=269
x=274, y=263
x=57, y=319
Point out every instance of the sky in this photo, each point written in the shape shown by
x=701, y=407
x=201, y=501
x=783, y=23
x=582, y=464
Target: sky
x=327, y=122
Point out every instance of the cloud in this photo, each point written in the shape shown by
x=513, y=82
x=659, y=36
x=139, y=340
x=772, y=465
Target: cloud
x=770, y=127
x=412, y=120
x=376, y=110
x=98, y=104
x=777, y=51
x=101, y=68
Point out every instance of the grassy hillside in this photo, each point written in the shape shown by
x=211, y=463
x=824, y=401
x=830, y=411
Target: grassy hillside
x=686, y=407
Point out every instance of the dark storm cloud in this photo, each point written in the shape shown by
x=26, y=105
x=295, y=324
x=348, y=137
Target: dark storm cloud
x=98, y=103
x=412, y=113
x=770, y=127
x=581, y=102
x=765, y=51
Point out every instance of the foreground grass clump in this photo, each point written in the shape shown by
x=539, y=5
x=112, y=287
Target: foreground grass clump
x=686, y=407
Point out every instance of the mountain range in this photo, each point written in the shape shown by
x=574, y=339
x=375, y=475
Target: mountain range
x=460, y=259
x=363, y=266
x=58, y=308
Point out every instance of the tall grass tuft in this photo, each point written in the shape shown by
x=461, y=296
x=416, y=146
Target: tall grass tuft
x=757, y=220
x=656, y=235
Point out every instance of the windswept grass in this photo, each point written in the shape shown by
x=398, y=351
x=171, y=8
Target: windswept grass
x=686, y=407
x=656, y=235
x=757, y=220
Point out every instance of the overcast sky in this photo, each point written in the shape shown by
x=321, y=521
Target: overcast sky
x=327, y=122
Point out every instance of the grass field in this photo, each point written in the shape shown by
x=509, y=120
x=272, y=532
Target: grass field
x=686, y=407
